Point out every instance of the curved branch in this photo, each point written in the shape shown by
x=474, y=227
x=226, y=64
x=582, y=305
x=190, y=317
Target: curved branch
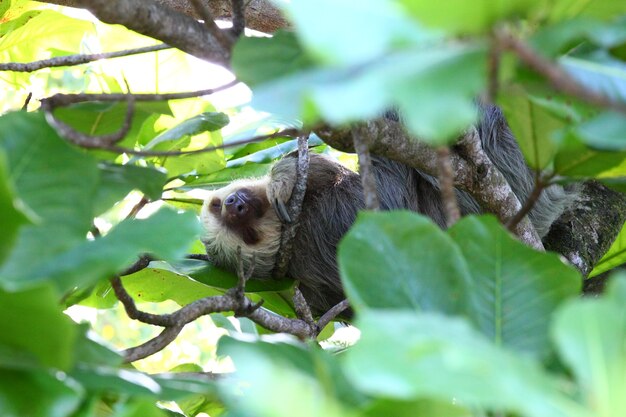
x=159, y=21
x=261, y=15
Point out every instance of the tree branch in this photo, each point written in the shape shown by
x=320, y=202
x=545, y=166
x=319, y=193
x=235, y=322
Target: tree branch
x=558, y=78
x=261, y=15
x=62, y=100
x=159, y=21
x=474, y=171
x=294, y=209
x=445, y=175
x=70, y=60
x=361, y=141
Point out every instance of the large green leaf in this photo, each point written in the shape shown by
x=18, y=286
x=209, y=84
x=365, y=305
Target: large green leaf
x=466, y=17
x=605, y=132
x=427, y=86
x=55, y=181
x=409, y=356
x=601, y=9
x=258, y=60
x=574, y=159
x=402, y=260
x=309, y=380
x=189, y=280
x=614, y=257
x=11, y=218
x=514, y=288
x=197, y=132
x=116, y=181
x=342, y=40
x=45, y=31
x=38, y=393
x=205, y=122
x=599, y=72
x=532, y=124
x=33, y=322
x=166, y=234
x=590, y=335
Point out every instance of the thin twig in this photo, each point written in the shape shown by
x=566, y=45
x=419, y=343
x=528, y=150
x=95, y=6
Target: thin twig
x=493, y=69
x=27, y=101
x=303, y=311
x=332, y=314
x=70, y=60
x=294, y=208
x=61, y=100
x=90, y=141
x=260, y=138
x=530, y=202
x=557, y=77
x=167, y=336
x=209, y=23
x=368, y=180
x=137, y=207
x=445, y=175
x=239, y=17
x=163, y=320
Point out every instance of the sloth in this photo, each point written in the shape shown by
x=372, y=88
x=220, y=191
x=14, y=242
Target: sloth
x=249, y=213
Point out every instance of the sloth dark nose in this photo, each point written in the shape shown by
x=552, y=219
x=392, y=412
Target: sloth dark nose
x=236, y=204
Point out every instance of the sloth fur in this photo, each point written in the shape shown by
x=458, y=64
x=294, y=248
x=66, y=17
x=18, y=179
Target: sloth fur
x=246, y=213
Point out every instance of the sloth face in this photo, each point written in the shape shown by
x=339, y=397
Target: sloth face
x=240, y=215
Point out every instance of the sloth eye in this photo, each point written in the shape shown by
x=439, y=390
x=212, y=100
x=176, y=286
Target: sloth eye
x=216, y=205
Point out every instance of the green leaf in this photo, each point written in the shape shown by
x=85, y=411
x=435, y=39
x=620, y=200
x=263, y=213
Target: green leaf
x=532, y=124
x=418, y=408
x=55, y=394
x=44, y=31
x=308, y=380
x=11, y=218
x=599, y=72
x=574, y=159
x=55, y=181
x=343, y=41
x=402, y=260
x=590, y=336
x=605, y=132
x=459, y=16
x=270, y=154
x=435, y=99
x=614, y=257
x=197, y=132
x=514, y=288
x=561, y=37
x=205, y=122
x=106, y=118
x=104, y=379
x=33, y=322
x=91, y=261
x=116, y=181
x=189, y=280
x=408, y=356
x=601, y=9
x=257, y=59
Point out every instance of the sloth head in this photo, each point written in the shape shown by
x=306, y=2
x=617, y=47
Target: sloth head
x=240, y=215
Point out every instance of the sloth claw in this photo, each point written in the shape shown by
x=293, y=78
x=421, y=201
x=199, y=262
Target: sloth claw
x=281, y=211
